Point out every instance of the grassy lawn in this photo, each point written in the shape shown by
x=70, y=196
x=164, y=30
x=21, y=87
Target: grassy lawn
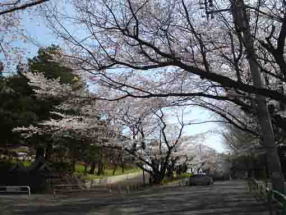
x=178, y=177
x=107, y=172
x=24, y=163
x=79, y=170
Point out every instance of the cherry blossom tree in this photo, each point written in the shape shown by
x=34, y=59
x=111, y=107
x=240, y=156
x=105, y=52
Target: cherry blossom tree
x=240, y=142
x=158, y=150
x=10, y=6
x=75, y=115
x=75, y=123
x=145, y=132
x=207, y=160
x=164, y=49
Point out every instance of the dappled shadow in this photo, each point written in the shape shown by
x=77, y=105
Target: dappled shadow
x=221, y=198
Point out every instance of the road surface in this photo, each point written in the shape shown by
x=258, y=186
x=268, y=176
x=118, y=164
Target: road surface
x=222, y=198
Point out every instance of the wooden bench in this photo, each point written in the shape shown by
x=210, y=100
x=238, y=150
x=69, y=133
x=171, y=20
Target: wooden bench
x=15, y=189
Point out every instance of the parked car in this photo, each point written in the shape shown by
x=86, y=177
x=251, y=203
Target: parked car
x=200, y=179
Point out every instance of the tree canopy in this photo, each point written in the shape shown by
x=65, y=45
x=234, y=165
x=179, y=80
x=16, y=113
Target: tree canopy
x=20, y=106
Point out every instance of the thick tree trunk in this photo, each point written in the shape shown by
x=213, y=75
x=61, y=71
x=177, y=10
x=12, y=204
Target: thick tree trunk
x=92, y=167
x=263, y=116
x=49, y=150
x=157, y=178
x=273, y=161
x=100, y=163
x=100, y=168
x=40, y=152
x=170, y=170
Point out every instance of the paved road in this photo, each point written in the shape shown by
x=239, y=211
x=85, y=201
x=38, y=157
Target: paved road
x=222, y=198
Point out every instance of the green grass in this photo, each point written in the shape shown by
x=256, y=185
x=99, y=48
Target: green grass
x=24, y=163
x=79, y=168
x=107, y=172
x=185, y=175
x=178, y=177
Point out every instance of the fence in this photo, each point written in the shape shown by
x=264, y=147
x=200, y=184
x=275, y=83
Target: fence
x=15, y=189
x=270, y=196
x=107, y=188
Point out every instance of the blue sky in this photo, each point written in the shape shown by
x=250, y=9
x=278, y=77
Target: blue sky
x=41, y=36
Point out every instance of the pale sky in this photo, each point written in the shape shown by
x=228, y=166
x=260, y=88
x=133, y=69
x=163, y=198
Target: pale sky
x=213, y=139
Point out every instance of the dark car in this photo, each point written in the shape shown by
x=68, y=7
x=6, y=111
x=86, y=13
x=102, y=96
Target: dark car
x=200, y=179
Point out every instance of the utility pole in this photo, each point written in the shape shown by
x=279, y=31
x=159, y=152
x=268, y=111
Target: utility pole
x=241, y=22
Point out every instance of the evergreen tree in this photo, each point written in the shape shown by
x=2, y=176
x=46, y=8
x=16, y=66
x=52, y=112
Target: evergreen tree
x=20, y=107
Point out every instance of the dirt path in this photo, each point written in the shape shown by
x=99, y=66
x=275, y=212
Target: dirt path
x=131, y=178
x=230, y=197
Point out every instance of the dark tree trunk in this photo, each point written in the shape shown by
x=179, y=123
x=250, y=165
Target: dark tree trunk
x=157, y=178
x=40, y=152
x=100, y=168
x=122, y=166
x=49, y=150
x=114, y=169
x=92, y=167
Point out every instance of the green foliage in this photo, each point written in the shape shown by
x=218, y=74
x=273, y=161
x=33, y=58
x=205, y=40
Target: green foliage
x=63, y=167
x=45, y=63
x=184, y=175
x=89, y=152
x=79, y=168
x=7, y=164
x=19, y=106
